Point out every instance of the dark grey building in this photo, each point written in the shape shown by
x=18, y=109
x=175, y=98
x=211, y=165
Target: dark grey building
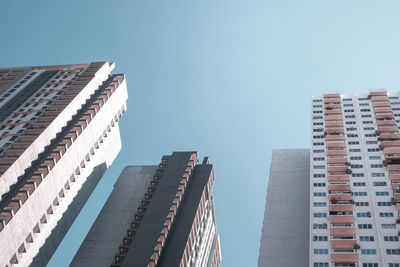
x=157, y=216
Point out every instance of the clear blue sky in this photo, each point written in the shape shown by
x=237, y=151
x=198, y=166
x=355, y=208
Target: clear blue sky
x=230, y=79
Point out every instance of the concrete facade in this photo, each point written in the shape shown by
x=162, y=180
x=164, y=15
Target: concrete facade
x=52, y=162
x=285, y=232
x=355, y=192
x=157, y=216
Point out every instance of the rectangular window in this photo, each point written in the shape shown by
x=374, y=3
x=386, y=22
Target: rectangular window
x=365, y=226
x=367, y=122
x=320, y=215
x=355, y=158
x=391, y=238
x=364, y=214
x=322, y=264
x=319, y=159
x=382, y=193
x=350, y=122
x=354, y=150
x=393, y=251
x=357, y=175
x=319, y=184
x=373, y=149
x=318, y=151
x=388, y=226
x=320, y=238
x=369, y=128
x=319, y=175
x=356, y=166
x=366, y=238
x=374, y=157
x=378, y=174
x=386, y=214
x=353, y=143
x=318, y=167
x=352, y=135
x=384, y=204
x=381, y=183
x=320, y=251
x=319, y=194
x=359, y=184
x=319, y=144
x=370, y=265
x=375, y=166
x=362, y=204
x=319, y=204
x=368, y=251
x=358, y=194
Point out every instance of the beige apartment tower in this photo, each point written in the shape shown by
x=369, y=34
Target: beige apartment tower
x=59, y=133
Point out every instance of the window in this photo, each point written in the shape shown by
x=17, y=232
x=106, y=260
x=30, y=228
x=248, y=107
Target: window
x=320, y=238
x=353, y=143
x=320, y=215
x=393, y=251
x=365, y=226
x=382, y=193
x=381, y=183
x=319, y=204
x=363, y=99
x=388, y=226
x=366, y=116
x=376, y=166
x=348, y=110
x=318, y=151
x=364, y=214
x=317, y=100
x=384, y=204
x=317, y=106
x=350, y=122
x=362, y=204
x=359, y=184
x=320, y=251
x=394, y=265
x=391, y=238
x=319, y=144
x=317, y=111
x=368, y=251
x=350, y=116
x=364, y=104
x=319, y=194
x=370, y=135
x=357, y=194
x=351, y=129
x=318, y=136
x=320, y=226
x=356, y=166
x=370, y=265
x=318, y=123
x=367, y=122
x=355, y=158
x=393, y=97
x=347, y=99
x=354, y=150
x=319, y=184
x=373, y=149
x=369, y=128
x=366, y=238
x=365, y=110
x=374, y=157
x=352, y=135
x=318, y=167
x=371, y=142
x=347, y=105
x=317, y=117
x=319, y=175
x=378, y=174
x=323, y=264
x=319, y=159
x=357, y=175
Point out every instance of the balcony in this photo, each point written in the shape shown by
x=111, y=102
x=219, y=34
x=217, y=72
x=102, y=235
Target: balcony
x=336, y=145
x=341, y=218
x=338, y=178
x=392, y=137
x=343, y=243
x=386, y=123
x=339, y=187
x=390, y=144
x=334, y=138
x=382, y=109
x=331, y=105
x=342, y=160
x=388, y=129
x=341, y=169
x=336, y=153
x=392, y=168
x=341, y=207
x=344, y=257
x=334, y=124
x=332, y=118
x=381, y=104
x=342, y=231
x=333, y=112
x=340, y=197
x=338, y=130
x=384, y=116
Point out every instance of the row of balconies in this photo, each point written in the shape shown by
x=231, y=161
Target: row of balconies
x=47, y=165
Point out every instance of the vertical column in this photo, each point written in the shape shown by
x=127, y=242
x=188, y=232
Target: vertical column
x=342, y=232
x=389, y=138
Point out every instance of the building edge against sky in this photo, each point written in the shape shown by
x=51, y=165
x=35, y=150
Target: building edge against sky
x=161, y=215
x=53, y=119
x=354, y=200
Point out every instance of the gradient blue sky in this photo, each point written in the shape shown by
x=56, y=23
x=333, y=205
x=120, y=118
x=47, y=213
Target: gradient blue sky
x=230, y=79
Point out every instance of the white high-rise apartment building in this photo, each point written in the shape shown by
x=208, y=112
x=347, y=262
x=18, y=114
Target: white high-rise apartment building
x=355, y=180
x=58, y=134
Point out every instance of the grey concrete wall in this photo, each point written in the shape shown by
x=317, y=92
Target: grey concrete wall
x=285, y=232
x=104, y=238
